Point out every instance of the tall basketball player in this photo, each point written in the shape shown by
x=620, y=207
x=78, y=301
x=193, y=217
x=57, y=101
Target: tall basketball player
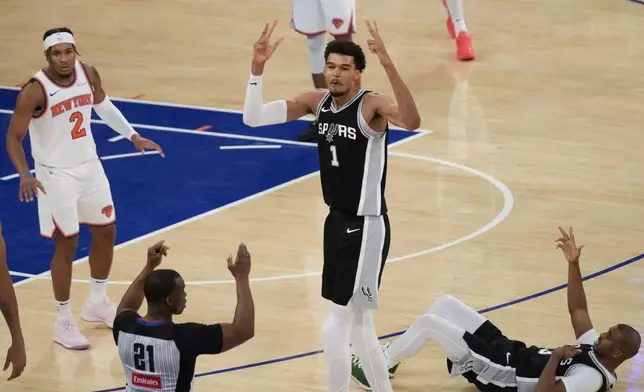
x=352, y=147
x=478, y=350
x=458, y=29
x=70, y=184
x=16, y=354
x=315, y=18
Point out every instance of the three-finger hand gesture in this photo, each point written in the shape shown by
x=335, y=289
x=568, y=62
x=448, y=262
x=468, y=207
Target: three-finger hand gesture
x=567, y=244
x=264, y=48
x=375, y=44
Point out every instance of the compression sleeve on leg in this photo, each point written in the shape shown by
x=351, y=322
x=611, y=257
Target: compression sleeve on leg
x=316, y=45
x=457, y=313
x=256, y=112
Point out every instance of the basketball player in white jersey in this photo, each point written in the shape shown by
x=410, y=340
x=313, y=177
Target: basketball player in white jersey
x=313, y=19
x=16, y=354
x=55, y=106
x=457, y=29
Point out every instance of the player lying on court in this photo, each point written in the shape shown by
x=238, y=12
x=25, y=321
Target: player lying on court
x=158, y=354
x=55, y=107
x=16, y=354
x=477, y=350
x=352, y=135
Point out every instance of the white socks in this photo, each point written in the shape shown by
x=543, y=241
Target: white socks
x=455, y=8
x=64, y=311
x=97, y=290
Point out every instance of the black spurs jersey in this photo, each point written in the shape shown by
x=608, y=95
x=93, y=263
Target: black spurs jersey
x=353, y=158
x=161, y=356
x=511, y=363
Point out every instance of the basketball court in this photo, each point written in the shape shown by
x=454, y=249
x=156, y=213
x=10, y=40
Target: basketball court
x=543, y=129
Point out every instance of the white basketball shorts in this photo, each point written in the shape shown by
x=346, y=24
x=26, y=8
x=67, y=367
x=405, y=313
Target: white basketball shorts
x=76, y=195
x=313, y=17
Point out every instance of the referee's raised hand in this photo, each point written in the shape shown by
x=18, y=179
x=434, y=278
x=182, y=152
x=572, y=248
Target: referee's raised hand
x=156, y=253
x=240, y=268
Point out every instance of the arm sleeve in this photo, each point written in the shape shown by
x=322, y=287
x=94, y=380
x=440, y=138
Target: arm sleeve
x=256, y=112
x=582, y=378
x=114, y=118
x=589, y=337
x=198, y=339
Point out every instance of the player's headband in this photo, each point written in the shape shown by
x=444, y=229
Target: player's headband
x=59, y=38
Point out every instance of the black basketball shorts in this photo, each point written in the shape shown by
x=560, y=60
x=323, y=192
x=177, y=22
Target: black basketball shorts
x=355, y=251
x=491, y=346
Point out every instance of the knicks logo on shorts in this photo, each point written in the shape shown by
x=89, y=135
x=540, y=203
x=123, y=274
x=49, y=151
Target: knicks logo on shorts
x=144, y=381
x=337, y=22
x=107, y=211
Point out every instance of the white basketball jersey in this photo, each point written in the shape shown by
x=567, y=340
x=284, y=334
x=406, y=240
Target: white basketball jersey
x=62, y=136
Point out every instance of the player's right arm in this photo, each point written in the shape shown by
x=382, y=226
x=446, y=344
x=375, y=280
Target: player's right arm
x=29, y=99
x=16, y=354
x=577, y=304
x=256, y=112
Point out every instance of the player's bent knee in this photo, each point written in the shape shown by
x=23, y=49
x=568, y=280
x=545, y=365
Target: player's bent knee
x=66, y=244
x=316, y=45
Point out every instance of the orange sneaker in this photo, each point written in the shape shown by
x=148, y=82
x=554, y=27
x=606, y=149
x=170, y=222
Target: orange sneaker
x=464, y=51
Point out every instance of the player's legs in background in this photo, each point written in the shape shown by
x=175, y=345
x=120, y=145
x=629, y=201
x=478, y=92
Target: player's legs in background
x=96, y=209
x=457, y=29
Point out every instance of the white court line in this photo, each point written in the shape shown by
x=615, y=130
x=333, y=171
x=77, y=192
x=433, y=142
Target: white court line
x=508, y=203
x=45, y=275
x=250, y=147
x=205, y=108
x=116, y=138
x=105, y=158
x=129, y=154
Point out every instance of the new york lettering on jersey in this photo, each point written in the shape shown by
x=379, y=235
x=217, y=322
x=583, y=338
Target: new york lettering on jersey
x=61, y=134
x=353, y=158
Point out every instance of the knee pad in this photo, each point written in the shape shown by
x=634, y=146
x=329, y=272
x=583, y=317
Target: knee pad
x=316, y=44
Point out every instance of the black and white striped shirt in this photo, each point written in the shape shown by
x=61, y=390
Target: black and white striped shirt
x=161, y=356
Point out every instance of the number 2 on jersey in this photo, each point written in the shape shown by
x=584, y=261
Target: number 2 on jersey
x=140, y=360
x=77, y=131
x=334, y=156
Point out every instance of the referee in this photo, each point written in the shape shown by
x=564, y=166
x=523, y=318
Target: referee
x=158, y=354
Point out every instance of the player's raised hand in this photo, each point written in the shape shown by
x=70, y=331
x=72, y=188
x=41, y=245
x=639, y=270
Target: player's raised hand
x=567, y=244
x=264, y=48
x=29, y=187
x=375, y=44
x=156, y=253
x=241, y=267
x=142, y=144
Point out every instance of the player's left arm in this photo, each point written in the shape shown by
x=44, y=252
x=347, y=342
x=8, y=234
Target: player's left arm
x=113, y=117
x=403, y=112
x=133, y=297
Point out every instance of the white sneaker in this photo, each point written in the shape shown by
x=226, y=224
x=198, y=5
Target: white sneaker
x=102, y=312
x=67, y=334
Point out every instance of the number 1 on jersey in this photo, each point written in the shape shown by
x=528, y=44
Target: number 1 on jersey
x=334, y=156
x=77, y=131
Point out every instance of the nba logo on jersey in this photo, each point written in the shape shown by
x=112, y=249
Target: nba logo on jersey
x=59, y=37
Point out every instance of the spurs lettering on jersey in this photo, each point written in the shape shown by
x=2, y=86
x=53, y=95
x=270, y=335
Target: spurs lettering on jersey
x=332, y=129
